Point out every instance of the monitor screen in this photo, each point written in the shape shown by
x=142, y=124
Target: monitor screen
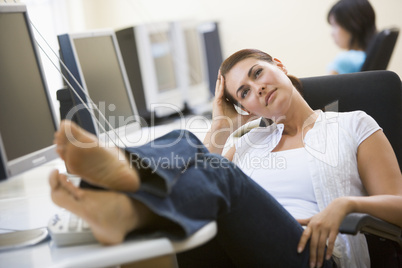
x=163, y=59
x=104, y=79
x=189, y=52
x=193, y=50
x=95, y=62
x=149, y=52
x=27, y=119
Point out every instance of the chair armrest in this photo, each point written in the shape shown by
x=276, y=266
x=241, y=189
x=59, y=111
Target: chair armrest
x=364, y=223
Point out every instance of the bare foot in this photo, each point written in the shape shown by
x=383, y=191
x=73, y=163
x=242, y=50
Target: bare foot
x=111, y=215
x=100, y=165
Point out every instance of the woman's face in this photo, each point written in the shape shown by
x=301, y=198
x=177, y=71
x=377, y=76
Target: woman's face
x=340, y=35
x=262, y=88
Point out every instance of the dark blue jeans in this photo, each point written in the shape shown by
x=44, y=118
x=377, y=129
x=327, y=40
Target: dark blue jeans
x=185, y=184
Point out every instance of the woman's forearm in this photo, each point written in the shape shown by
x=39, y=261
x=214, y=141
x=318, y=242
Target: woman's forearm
x=385, y=207
x=216, y=138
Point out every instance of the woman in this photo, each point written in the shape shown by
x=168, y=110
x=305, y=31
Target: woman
x=254, y=228
x=353, y=26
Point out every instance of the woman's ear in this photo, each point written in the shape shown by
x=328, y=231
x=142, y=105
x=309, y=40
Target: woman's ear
x=280, y=65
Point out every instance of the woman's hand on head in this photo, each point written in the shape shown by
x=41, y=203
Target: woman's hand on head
x=224, y=114
x=322, y=230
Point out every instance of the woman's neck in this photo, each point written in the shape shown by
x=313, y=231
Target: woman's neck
x=356, y=46
x=299, y=119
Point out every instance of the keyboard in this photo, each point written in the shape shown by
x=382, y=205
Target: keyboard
x=67, y=229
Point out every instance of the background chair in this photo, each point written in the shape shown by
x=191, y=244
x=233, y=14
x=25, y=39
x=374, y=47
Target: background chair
x=380, y=49
x=379, y=94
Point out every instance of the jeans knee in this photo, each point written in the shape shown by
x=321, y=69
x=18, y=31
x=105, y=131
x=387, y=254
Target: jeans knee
x=221, y=171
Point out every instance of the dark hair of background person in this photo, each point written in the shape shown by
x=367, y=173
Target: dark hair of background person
x=243, y=54
x=358, y=18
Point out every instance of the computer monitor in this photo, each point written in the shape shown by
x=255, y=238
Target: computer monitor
x=27, y=117
x=192, y=66
x=148, y=53
x=95, y=62
x=209, y=32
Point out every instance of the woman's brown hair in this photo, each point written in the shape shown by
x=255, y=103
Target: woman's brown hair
x=358, y=18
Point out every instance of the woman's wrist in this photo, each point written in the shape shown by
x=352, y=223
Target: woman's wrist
x=222, y=122
x=347, y=203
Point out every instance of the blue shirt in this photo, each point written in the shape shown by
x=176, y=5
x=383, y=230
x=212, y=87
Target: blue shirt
x=347, y=62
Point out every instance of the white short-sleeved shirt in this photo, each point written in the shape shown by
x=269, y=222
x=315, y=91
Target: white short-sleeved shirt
x=330, y=161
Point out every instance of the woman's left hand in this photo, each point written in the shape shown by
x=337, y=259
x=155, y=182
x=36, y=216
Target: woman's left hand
x=322, y=230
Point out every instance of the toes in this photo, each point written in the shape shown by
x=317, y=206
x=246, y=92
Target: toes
x=64, y=193
x=68, y=186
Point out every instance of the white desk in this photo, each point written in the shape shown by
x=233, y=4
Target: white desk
x=25, y=203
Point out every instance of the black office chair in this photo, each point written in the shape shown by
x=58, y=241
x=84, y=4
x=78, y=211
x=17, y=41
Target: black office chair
x=380, y=49
x=379, y=94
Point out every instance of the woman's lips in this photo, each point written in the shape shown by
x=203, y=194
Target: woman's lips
x=268, y=97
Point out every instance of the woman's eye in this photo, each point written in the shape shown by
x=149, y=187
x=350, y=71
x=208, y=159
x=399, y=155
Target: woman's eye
x=257, y=72
x=244, y=93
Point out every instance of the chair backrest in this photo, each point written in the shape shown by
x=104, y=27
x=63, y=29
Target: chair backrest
x=378, y=93
x=380, y=49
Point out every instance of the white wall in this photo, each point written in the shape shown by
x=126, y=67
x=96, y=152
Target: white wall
x=294, y=31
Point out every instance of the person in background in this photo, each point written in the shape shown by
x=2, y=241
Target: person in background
x=353, y=26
